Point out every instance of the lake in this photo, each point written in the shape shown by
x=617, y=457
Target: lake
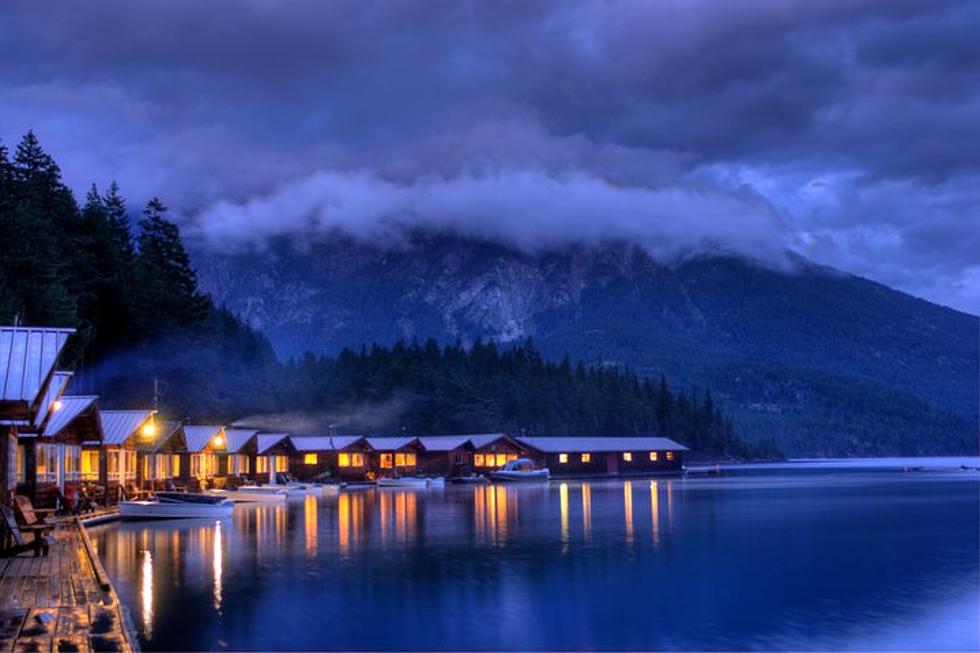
x=812, y=555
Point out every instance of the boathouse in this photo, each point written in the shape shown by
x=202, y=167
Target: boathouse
x=604, y=455
x=394, y=456
x=318, y=457
x=199, y=461
x=446, y=455
x=272, y=455
x=115, y=454
x=494, y=450
x=159, y=456
x=239, y=456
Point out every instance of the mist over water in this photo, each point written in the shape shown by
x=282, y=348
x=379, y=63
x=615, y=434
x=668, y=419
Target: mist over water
x=795, y=556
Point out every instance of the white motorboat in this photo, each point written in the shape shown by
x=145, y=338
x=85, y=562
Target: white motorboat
x=253, y=494
x=177, y=505
x=520, y=470
x=404, y=482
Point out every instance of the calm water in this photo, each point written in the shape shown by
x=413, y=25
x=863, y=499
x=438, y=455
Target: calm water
x=779, y=557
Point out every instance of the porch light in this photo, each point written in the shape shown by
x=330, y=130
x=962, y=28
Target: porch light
x=56, y=405
x=218, y=441
x=149, y=429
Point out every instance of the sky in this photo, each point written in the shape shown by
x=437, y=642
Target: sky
x=848, y=132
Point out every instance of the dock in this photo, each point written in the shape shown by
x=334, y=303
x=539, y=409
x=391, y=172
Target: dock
x=63, y=601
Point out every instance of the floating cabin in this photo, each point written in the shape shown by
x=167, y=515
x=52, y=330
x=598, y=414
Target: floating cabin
x=604, y=455
x=494, y=450
x=273, y=452
x=393, y=456
x=199, y=460
x=29, y=358
x=159, y=456
x=238, y=460
x=115, y=455
x=344, y=457
x=446, y=455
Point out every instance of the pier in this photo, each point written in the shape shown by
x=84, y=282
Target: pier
x=62, y=601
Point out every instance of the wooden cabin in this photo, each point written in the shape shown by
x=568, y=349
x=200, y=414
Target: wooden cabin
x=319, y=457
x=446, y=455
x=394, y=456
x=29, y=357
x=272, y=455
x=199, y=461
x=159, y=457
x=493, y=450
x=239, y=457
x=115, y=455
x=605, y=455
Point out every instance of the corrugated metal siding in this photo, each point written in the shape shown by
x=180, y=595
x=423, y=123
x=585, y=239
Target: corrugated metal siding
x=238, y=438
x=27, y=358
x=198, y=436
x=268, y=440
x=71, y=407
x=119, y=425
x=573, y=444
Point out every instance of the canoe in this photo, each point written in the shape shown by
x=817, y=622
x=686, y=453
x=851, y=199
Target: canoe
x=253, y=494
x=176, y=505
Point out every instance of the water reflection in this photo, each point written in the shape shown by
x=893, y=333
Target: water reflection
x=586, y=510
x=146, y=593
x=628, y=508
x=310, y=509
x=563, y=495
x=655, y=511
x=217, y=558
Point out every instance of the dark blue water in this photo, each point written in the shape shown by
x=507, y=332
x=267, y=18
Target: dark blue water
x=779, y=558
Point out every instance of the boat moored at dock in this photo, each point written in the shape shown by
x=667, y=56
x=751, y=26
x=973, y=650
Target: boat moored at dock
x=177, y=505
x=253, y=494
x=520, y=470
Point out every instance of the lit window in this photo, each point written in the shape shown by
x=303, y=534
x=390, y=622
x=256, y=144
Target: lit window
x=410, y=459
x=478, y=460
x=90, y=465
x=357, y=460
x=501, y=459
x=261, y=465
x=399, y=460
x=309, y=459
x=175, y=470
x=282, y=463
x=586, y=457
x=670, y=455
x=563, y=457
x=512, y=456
x=653, y=456
x=343, y=460
x=628, y=456
x=386, y=461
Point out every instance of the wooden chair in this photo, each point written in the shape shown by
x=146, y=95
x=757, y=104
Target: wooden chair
x=40, y=545
x=29, y=515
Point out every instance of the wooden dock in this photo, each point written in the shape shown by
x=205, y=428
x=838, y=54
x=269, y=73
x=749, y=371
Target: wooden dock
x=62, y=601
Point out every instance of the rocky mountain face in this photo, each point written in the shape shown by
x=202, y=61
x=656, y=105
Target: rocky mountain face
x=828, y=363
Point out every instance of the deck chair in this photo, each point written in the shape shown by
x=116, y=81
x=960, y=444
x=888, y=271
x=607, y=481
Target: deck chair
x=29, y=515
x=14, y=542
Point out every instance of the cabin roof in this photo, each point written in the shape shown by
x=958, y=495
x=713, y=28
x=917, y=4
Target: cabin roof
x=165, y=431
x=324, y=442
x=28, y=356
x=197, y=437
x=483, y=439
x=71, y=408
x=392, y=443
x=119, y=425
x=444, y=442
x=268, y=440
x=235, y=439
x=598, y=443
x=59, y=381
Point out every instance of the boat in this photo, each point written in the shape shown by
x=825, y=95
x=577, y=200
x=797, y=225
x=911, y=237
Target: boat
x=293, y=486
x=358, y=485
x=472, y=479
x=253, y=494
x=436, y=481
x=520, y=470
x=177, y=505
x=404, y=482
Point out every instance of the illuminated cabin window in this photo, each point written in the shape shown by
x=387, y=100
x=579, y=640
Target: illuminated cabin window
x=478, y=460
x=282, y=463
x=386, y=461
x=174, y=465
x=410, y=460
x=512, y=456
x=262, y=465
x=653, y=456
x=309, y=458
x=563, y=457
x=90, y=465
x=586, y=457
x=628, y=456
x=343, y=460
x=501, y=459
x=357, y=460
x=399, y=460
x=670, y=455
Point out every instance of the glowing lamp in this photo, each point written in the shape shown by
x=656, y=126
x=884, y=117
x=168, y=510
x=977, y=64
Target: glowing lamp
x=219, y=441
x=56, y=405
x=149, y=429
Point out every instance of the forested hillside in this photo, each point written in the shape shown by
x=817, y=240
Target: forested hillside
x=140, y=315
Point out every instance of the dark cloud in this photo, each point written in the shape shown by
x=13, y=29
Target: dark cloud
x=846, y=130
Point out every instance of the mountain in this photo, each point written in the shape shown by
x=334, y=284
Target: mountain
x=827, y=363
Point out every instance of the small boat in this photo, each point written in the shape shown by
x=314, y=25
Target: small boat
x=293, y=486
x=472, y=479
x=708, y=470
x=404, y=482
x=436, y=481
x=177, y=505
x=520, y=470
x=358, y=485
x=253, y=494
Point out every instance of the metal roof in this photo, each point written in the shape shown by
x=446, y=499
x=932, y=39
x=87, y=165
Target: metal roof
x=59, y=381
x=235, y=439
x=483, y=439
x=391, y=444
x=119, y=425
x=28, y=357
x=165, y=431
x=443, y=442
x=71, y=407
x=197, y=437
x=598, y=443
x=268, y=440
x=324, y=442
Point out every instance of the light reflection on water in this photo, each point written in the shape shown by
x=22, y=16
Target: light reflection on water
x=773, y=560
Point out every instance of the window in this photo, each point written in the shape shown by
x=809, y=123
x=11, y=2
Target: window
x=404, y=460
x=399, y=460
x=410, y=460
x=46, y=466
x=478, y=460
x=653, y=456
x=73, y=462
x=129, y=462
x=262, y=465
x=238, y=464
x=343, y=460
x=90, y=465
x=628, y=456
x=563, y=457
x=309, y=459
x=586, y=457
x=357, y=460
x=386, y=461
x=501, y=459
x=204, y=465
x=21, y=464
x=670, y=455
x=175, y=465
x=512, y=456
x=282, y=463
